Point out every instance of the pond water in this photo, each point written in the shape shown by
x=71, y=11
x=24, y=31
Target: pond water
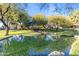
x=40, y=45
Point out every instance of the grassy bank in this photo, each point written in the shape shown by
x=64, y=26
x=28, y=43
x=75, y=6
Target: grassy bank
x=18, y=32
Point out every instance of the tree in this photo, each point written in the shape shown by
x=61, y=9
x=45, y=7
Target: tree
x=11, y=17
x=7, y=13
x=74, y=15
x=39, y=20
x=4, y=8
x=24, y=18
x=59, y=20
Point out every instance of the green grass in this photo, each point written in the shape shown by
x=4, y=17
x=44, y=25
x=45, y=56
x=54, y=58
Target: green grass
x=31, y=32
x=63, y=33
x=18, y=32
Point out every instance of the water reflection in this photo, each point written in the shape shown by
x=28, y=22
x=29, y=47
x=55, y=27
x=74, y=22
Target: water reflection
x=66, y=52
x=29, y=42
x=49, y=37
x=33, y=52
x=17, y=38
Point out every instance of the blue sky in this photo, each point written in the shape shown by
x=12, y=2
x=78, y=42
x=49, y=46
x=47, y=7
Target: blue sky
x=33, y=8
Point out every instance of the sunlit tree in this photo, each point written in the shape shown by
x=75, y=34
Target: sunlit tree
x=74, y=16
x=59, y=20
x=4, y=9
x=39, y=20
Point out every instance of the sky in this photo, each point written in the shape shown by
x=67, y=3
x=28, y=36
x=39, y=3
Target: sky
x=33, y=8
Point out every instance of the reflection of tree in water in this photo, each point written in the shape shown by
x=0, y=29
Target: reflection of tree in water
x=38, y=43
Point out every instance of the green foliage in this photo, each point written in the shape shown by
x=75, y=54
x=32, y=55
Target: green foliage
x=11, y=14
x=74, y=15
x=39, y=20
x=14, y=15
x=23, y=17
x=59, y=19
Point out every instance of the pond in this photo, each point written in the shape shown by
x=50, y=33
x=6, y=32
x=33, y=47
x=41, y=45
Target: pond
x=39, y=45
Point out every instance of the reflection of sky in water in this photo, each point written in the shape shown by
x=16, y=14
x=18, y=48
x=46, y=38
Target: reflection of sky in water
x=67, y=52
x=33, y=52
x=45, y=52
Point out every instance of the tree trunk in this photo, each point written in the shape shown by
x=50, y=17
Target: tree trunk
x=7, y=31
x=7, y=27
x=2, y=18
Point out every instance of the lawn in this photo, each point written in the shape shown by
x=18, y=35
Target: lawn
x=63, y=32
x=18, y=32
x=31, y=32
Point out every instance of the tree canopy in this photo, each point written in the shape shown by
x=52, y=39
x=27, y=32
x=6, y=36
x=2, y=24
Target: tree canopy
x=39, y=20
x=10, y=13
x=74, y=15
x=59, y=19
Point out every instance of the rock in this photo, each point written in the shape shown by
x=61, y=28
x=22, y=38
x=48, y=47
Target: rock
x=56, y=53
